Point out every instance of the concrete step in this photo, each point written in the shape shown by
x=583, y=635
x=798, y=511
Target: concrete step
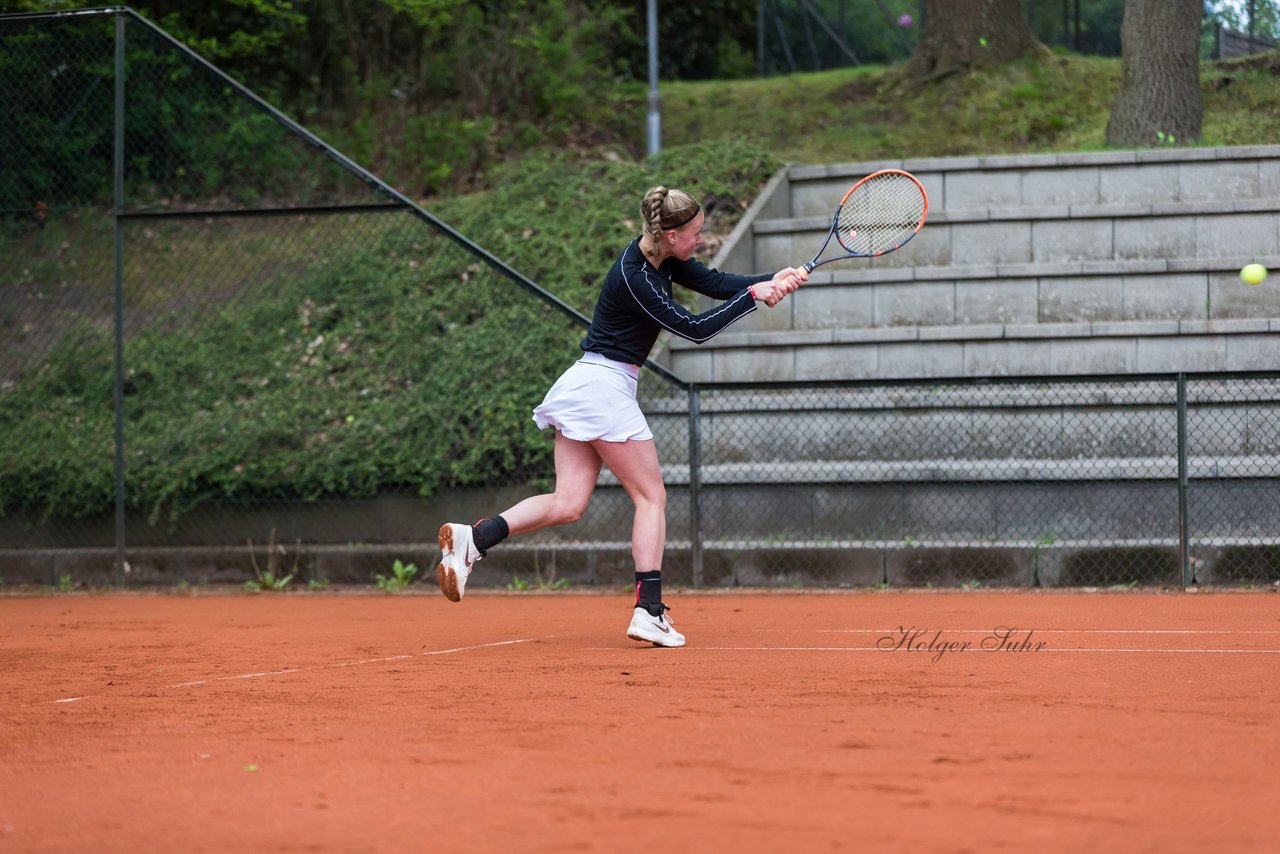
x=802, y=400
x=1050, y=235
x=1037, y=264
x=984, y=431
x=948, y=470
x=993, y=349
x=1146, y=176
x=855, y=297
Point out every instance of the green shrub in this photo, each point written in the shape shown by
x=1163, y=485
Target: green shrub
x=401, y=577
x=369, y=360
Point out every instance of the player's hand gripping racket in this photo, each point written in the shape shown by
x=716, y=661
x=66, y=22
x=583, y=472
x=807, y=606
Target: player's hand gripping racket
x=879, y=214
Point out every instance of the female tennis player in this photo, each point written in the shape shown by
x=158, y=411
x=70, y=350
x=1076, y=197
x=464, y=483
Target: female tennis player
x=593, y=408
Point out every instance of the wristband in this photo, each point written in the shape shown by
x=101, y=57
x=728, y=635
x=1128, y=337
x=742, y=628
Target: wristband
x=751, y=289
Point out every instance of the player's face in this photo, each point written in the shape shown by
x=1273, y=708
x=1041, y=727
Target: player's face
x=688, y=239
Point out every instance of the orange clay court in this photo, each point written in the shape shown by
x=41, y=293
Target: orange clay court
x=791, y=722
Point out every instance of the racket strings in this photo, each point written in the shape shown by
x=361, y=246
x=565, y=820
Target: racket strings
x=881, y=215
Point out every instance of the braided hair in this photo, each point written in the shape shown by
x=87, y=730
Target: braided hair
x=664, y=209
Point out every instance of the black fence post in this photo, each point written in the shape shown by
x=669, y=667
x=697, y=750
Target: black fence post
x=695, y=466
x=118, y=194
x=1184, y=551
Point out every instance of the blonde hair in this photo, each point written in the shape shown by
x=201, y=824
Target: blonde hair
x=663, y=209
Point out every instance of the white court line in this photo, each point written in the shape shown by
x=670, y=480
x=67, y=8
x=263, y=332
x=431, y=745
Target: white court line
x=333, y=665
x=975, y=649
x=350, y=663
x=923, y=649
x=898, y=630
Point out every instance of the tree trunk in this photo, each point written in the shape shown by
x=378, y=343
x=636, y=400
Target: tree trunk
x=961, y=34
x=1159, y=100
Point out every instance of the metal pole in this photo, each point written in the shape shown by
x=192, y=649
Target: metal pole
x=1184, y=549
x=807, y=6
x=118, y=192
x=760, y=23
x=695, y=467
x=808, y=37
x=786, y=45
x=653, y=123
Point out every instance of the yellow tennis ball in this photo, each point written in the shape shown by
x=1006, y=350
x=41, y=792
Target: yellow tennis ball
x=1253, y=274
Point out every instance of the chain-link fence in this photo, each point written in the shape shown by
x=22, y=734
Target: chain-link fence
x=254, y=325
x=225, y=350
x=1062, y=481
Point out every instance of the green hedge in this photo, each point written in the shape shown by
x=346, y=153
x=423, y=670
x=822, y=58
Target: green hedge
x=362, y=374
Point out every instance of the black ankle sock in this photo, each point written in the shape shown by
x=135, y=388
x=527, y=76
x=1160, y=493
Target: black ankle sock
x=489, y=532
x=649, y=591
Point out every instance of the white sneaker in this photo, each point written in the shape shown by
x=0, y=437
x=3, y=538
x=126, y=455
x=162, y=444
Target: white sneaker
x=656, y=630
x=458, y=553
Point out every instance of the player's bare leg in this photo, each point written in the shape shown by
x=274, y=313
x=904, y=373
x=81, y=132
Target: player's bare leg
x=577, y=467
x=635, y=463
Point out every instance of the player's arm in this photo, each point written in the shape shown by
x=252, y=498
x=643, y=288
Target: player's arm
x=655, y=304
x=768, y=288
x=702, y=279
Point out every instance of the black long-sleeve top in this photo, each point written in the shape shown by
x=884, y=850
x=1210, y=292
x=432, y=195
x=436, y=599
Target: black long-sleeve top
x=635, y=304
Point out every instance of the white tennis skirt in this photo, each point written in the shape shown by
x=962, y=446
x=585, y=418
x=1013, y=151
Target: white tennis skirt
x=595, y=399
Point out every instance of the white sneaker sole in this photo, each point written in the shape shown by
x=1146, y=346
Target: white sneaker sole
x=664, y=641
x=655, y=638
x=445, y=574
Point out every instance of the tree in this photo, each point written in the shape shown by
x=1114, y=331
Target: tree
x=961, y=34
x=1159, y=99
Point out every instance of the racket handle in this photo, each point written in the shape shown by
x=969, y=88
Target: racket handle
x=808, y=266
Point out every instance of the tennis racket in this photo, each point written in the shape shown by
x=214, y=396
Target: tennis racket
x=879, y=214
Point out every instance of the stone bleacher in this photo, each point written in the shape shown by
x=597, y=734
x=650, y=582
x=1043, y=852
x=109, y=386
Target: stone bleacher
x=1108, y=262
x=1071, y=265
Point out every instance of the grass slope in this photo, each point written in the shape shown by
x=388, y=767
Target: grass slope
x=1060, y=103
x=348, y=361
